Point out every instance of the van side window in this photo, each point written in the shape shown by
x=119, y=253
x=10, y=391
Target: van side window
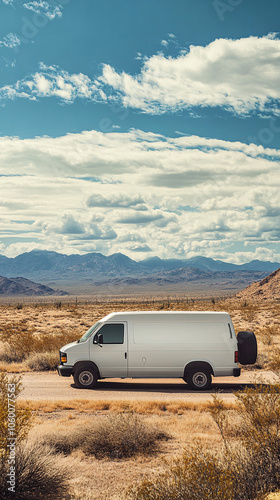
x=230, y=332
x=113, y=333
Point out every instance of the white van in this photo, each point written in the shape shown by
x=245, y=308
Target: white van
x=148, y=344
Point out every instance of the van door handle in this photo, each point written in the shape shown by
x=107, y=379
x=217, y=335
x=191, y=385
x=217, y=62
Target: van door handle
x=125, y=355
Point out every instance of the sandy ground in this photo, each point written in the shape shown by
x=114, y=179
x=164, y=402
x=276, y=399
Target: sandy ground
x=105, y=479
x=49, y=386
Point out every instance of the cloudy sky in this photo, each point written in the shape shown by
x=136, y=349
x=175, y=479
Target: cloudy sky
x=147, y=128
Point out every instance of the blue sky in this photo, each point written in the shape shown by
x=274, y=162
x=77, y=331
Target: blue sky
x=147, y=128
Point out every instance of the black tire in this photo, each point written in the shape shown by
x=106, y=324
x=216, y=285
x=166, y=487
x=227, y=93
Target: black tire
x=247, y=348
x=198, y=379
x=85, y=377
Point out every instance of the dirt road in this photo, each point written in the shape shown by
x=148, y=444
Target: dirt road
x=40, y=386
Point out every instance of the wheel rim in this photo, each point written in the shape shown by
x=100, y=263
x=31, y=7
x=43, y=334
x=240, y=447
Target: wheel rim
x=86, y=378
x=199, y=379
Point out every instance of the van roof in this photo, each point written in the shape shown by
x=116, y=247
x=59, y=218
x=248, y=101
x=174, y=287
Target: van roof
x=163, y=315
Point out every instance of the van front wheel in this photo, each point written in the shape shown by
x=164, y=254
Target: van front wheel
x=85, y=378
x=198, y=379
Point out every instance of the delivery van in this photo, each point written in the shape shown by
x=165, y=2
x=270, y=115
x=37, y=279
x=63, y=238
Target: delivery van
x=191, y=345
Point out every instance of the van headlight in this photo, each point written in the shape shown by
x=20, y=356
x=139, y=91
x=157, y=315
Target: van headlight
x=63, y=357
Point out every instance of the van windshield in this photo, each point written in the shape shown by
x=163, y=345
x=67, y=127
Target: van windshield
x=89, y=332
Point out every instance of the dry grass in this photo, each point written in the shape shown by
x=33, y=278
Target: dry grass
x=13, y=367
x=246, y=466
x=117, y=406
x=113, y=477
x=183, y=428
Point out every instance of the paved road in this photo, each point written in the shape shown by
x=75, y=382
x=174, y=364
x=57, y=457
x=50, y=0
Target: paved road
x=50, y=387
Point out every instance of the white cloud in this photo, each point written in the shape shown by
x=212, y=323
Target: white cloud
x=50, y=9
x=51, y=81
x=10, y=41
x=44, y=8
x=114, y=201
x=127, y=192
x=43, y=85
x=240, y=75
x=70, y=226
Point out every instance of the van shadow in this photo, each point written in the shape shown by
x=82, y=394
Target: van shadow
x=167, y=388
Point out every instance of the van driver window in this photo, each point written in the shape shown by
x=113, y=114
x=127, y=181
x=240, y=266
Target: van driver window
x=112, y=334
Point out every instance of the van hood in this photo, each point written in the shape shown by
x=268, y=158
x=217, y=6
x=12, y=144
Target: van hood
x=65, y=347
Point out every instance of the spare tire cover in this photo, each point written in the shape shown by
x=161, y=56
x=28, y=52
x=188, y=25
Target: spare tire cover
x=247, y=348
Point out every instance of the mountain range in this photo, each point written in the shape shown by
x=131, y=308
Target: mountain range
x=97, y=273
x=46, y=265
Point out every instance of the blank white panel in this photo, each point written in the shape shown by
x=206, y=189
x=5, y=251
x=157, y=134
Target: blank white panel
x=179, y=332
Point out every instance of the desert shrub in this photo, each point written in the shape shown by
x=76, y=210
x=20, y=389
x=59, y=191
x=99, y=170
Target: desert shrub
x=7, y=355
x=21, y=340
x=268, y=335
x=201, y=474
x=255, y=475
x=18, y=341
x=38, y=475
x=248, y=466
x=115, y=436
x=4, y=355
x=23, y=416
x=43, y=361
x=260, y=410
x=197, y=475
x=275, y=361
x=120, y=436
x=254, y=457
x=65, y=441
x=262, y=362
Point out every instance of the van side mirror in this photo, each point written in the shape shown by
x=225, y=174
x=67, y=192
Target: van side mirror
x=98, y=339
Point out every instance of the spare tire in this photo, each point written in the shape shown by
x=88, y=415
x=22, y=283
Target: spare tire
x=247, y=348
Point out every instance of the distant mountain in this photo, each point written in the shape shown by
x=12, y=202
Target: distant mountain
x=206, y=264
x=258, y=265
x=161, y=278
x=23, y=286
x=266, y=289
x=223, y=280
x=52, y=267
x=43, y=265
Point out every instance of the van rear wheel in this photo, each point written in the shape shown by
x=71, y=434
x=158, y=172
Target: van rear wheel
x=198, y=379
x=85, y=378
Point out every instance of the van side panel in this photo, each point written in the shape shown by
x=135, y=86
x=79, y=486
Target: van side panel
x=173, y=333
x=164, y=348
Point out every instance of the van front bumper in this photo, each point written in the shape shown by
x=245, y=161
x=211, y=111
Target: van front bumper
x=65, y=371
x=236, y=372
